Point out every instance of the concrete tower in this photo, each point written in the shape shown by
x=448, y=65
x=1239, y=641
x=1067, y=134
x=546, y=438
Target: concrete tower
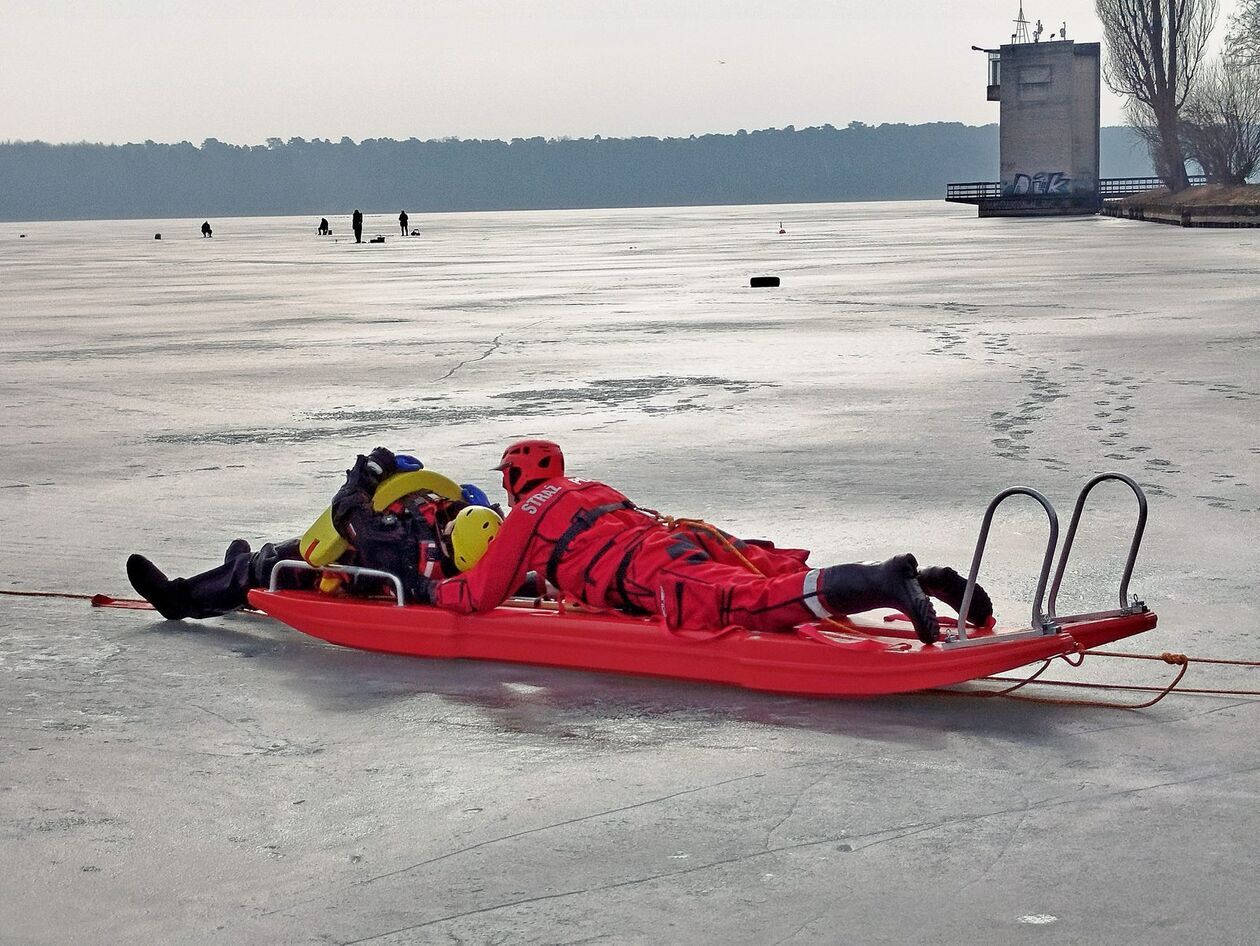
x=1049, y=128
x=1049, y=124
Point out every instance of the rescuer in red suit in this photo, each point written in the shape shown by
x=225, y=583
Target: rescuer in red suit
x=594, y=545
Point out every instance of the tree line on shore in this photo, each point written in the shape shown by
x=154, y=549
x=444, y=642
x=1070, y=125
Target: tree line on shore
x=788, y=165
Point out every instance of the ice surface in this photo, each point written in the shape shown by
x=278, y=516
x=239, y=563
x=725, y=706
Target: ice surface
x=231, y=782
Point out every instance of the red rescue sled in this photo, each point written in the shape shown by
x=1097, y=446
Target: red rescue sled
x=860, y=656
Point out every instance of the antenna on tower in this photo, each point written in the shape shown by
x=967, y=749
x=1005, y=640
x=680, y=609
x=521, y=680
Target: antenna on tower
x=1021, y=27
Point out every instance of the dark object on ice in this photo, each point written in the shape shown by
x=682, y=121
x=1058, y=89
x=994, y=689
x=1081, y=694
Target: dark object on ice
x=205, y=229
x=764, y=282
x=402, y=222
x=415, y=232
x=324, y=229
x=377, y=239
x=21, y=236
x=157, y=236
x=356, y=223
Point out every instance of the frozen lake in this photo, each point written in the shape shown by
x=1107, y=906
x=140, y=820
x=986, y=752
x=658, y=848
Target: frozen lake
x=229, y=782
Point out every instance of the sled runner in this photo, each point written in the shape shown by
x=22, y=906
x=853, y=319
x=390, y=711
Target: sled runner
x=863, y=655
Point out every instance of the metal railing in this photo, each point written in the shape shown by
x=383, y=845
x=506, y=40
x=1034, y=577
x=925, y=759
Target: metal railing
x=1108, y=188
x=1049, y=621
x=1125, y=186
x=974, y=190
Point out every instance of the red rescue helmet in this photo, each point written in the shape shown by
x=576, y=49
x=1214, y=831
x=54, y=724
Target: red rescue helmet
x=527, y=463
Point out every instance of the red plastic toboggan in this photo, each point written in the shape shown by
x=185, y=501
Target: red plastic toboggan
x=856, y=658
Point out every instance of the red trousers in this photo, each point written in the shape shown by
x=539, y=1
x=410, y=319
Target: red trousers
x=694, y=580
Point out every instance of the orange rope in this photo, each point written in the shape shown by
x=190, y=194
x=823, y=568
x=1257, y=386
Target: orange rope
x=671, y=523
x=1175, y=658
x=1170, y=658
x=1137, y=687
x=1045, y=664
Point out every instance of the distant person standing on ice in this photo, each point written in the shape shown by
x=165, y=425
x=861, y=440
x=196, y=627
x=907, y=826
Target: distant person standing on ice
x=205, y=230
x=324, y=229
x=356, y=224
x=402, y=222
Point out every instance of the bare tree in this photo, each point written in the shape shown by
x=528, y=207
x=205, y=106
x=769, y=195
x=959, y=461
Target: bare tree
x=1242, y=44
x=1154, y=50
x=1221, y=122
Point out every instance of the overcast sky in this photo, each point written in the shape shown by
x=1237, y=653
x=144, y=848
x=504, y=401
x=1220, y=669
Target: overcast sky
x=246, y=70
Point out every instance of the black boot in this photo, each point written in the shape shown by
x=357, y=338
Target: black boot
x=849, y=589
x=236, y=547
x=947, y=585
x=169, y=597
x=207, y=595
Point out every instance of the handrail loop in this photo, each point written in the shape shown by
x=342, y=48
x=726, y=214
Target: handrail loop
x=1126, y=606
x=353, y=571
x=1039, y=621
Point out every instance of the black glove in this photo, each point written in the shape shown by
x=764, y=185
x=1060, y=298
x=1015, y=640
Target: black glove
x=368, y=471
x=385, y=459
x=421, y=590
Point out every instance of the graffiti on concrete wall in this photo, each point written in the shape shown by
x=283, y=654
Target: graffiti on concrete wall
x=1041, y=184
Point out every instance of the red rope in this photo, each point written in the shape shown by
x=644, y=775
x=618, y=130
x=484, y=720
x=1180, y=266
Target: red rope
x=47, y=594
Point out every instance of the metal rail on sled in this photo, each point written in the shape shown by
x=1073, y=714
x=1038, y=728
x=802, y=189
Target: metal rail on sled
x=862, y=655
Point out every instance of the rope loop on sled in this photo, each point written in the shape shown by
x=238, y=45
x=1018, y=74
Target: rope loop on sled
x=1180, y=660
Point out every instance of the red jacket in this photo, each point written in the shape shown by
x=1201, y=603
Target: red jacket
x=587, y=568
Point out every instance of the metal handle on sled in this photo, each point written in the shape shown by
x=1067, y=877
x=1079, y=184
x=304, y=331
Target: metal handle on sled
x=354, y=571
x=1039, y=623
x=1126, y=607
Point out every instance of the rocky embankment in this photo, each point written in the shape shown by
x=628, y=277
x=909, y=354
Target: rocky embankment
x=1207, y=205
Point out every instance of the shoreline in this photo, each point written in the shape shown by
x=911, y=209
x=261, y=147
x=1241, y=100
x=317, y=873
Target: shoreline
x=1205, y=205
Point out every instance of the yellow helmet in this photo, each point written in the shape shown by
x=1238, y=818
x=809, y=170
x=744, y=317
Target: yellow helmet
x=473, y=530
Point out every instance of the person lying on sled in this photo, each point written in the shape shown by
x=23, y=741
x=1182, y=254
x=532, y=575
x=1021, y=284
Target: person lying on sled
x=596, y=546
x=409, y=539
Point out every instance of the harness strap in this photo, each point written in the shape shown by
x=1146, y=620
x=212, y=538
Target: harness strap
x=581, y=522
x=622, y=567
